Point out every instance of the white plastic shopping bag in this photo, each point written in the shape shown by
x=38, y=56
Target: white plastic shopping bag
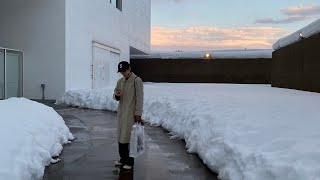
x=137, y=144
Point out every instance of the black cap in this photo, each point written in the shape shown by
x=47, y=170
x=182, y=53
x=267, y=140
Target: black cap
x=123, y=66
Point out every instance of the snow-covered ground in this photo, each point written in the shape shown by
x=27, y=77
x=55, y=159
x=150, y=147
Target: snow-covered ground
x=243, y=132
x=305, y=32
x=30, y=135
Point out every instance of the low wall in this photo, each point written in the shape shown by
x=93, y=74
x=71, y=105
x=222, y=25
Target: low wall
x=297, y=66
x=242, y=71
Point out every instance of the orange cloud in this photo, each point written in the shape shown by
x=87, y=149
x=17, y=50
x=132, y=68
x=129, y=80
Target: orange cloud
x=210, y=38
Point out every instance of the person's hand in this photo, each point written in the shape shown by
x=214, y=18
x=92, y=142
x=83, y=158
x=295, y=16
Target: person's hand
x=119, y=93
x=137, y=119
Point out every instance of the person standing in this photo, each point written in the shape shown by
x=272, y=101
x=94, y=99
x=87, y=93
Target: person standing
x=129, y=93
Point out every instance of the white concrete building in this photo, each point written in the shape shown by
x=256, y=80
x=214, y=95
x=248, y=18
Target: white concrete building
x=68, y=44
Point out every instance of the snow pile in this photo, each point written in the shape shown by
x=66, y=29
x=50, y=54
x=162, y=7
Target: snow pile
x=243, y=132
x=311, y=29
x=91, y=99
x=31, y=134
x=216, y=54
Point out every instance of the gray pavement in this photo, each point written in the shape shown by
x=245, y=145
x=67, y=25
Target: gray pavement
x=92, y=154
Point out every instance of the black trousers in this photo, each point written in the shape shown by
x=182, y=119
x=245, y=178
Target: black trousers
x=124, y=154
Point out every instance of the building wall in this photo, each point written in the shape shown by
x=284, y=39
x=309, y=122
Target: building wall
x=98, y=20
x=139, y=15
x=203, y=71
x=38, y=29
x=297, y=66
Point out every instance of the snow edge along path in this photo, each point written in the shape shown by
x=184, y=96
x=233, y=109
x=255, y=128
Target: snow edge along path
x=101, y=99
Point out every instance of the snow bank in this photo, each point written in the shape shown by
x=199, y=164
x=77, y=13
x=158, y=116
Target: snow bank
x=243, y=132
x=92, y=99
x=311, y=29
x=31, y=134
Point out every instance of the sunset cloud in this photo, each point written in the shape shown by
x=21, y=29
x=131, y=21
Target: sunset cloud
x=210, y=38
x=302, y=10
x=294, y=14
x=287, y=20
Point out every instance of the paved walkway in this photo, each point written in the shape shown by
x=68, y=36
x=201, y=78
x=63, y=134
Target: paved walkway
x=92, y=154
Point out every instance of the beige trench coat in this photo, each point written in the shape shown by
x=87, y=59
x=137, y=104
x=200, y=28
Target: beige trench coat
x=130, y=104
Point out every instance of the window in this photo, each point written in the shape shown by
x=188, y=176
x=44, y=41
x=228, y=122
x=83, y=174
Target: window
x=117, y=4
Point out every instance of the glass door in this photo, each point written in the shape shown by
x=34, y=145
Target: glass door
x=1, y=74
x=13, y=74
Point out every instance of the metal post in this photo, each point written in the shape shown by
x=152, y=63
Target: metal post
x=5, y=73
x=43, y=86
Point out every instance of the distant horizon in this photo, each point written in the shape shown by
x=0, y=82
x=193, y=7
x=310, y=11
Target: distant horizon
x=207, y=25
x=155, y=51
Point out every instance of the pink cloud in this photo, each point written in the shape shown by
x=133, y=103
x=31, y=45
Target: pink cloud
x=302, y=10
x=287, y=20
x=294, y=14
x=210, y=38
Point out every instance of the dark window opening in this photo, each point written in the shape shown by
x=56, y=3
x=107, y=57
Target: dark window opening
x=117, y=4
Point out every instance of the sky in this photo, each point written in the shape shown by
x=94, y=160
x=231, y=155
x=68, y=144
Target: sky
x=195, y=25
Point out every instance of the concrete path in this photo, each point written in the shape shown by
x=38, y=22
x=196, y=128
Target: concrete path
x=92, y=154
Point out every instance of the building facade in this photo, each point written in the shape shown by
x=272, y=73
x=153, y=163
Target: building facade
x=68, y=44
